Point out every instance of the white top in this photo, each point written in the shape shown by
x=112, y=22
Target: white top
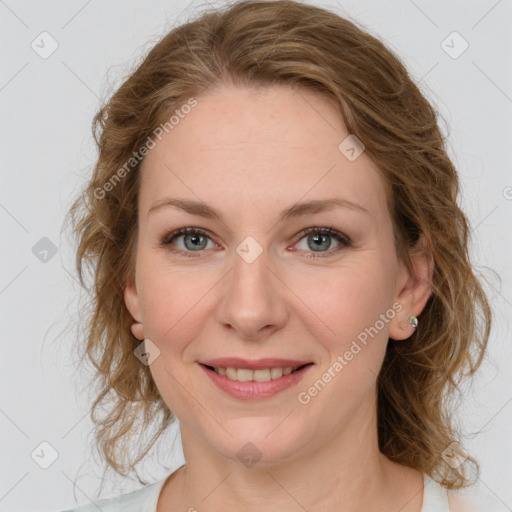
x=435, y=499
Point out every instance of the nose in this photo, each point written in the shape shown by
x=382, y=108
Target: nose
x=254, y=300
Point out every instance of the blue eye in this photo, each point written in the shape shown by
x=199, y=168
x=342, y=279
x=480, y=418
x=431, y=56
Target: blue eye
x=196, y=239
x=321, y=238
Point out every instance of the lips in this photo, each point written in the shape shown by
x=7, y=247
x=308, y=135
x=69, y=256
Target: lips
x=257, y=364
x=249, y=380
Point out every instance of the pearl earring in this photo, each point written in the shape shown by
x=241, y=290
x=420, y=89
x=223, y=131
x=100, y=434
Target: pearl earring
x=413, y=320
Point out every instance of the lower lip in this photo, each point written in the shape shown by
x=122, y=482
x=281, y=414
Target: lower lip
x=253, y=390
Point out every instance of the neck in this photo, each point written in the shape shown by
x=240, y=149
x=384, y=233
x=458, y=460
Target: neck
x=347, y=469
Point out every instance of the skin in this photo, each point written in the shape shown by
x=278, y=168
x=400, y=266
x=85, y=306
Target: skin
x=251, y=153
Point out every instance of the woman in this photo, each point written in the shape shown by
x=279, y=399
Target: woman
x=280, y=263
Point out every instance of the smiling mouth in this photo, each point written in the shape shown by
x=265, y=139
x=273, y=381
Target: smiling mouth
x=259, y=375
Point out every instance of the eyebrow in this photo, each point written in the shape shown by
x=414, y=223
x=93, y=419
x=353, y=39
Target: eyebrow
x=296, y=210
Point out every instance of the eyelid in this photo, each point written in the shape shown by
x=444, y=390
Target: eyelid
x=168, y=237
x=343, y=240
x=328, y=230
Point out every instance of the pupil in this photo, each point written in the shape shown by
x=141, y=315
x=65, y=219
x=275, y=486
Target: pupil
x=320, y=238
x=194, y=239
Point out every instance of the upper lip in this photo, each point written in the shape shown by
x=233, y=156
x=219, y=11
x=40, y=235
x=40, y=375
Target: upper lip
x=256, y=364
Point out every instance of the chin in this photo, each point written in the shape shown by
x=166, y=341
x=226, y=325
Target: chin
x=261, y=442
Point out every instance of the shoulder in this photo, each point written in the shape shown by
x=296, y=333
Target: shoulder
x=130, y=502
x=437, y=498
x=460, y=503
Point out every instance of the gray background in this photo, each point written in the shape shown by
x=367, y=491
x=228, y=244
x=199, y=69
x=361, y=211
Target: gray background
x=46, y=109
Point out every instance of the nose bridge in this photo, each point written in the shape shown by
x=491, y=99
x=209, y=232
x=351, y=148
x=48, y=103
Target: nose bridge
x=252, y=298
x=250, y=272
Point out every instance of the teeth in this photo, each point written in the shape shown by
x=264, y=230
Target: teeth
x=275, y=373
x=246, y=375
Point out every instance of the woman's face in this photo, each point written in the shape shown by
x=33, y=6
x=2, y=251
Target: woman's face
x=253, y=284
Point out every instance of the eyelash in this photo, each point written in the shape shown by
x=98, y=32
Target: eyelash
x=339, y=237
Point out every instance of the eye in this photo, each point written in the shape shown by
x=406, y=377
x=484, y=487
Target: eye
x=319, y=240
x=194, y=240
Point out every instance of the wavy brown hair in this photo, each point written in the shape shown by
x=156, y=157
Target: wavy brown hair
x=265, y=43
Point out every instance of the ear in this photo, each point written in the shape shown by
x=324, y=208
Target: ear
x=413, y=289
x=131, y=299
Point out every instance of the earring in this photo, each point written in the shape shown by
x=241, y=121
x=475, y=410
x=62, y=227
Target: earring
x=413, y=320
x=137, y=330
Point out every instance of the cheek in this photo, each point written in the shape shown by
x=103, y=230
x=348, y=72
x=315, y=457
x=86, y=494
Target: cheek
x=349, y=299
x=174, y=304
x=353, y=309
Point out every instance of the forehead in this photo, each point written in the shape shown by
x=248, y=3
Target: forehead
x=270, y=146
